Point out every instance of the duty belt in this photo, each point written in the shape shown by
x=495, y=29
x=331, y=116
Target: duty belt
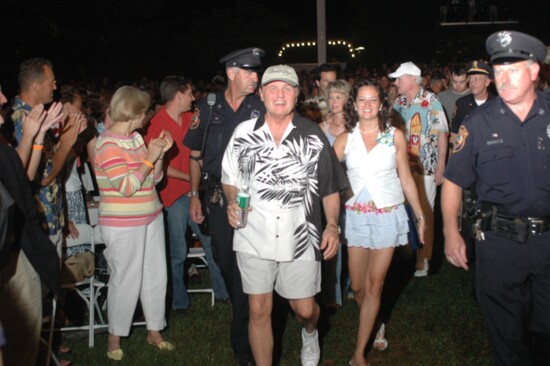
x=515, y=228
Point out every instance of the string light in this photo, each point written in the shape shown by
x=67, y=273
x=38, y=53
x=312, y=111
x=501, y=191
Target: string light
x=337, y=43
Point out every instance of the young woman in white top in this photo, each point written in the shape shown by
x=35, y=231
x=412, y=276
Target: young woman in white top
x=376, y=221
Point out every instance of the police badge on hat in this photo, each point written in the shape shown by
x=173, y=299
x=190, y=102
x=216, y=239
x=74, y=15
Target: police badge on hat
x=504, y=39
x=507, y=47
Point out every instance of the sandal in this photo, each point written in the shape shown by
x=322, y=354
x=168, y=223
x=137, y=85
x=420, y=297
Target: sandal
x=163, y=345
x=380, y=342
x=115, y=355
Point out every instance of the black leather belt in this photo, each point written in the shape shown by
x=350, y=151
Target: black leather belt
x=538, y=225
x=512, y=227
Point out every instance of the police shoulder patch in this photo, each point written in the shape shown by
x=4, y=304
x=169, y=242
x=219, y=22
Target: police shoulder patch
x=196, y=119
x=460, y=139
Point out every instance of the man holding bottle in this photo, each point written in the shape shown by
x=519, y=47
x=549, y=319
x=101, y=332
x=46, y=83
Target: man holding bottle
x=288, y=168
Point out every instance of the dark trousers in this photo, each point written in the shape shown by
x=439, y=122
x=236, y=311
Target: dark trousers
x=221, y=234
x=513, y=290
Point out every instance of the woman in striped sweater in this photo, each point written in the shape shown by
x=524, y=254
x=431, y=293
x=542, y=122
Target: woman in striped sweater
x=130, y=215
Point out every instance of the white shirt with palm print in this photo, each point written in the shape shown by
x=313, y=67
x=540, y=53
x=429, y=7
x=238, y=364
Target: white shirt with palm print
x=287, y=183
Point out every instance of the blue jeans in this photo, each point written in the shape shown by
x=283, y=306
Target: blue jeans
x=177, y=218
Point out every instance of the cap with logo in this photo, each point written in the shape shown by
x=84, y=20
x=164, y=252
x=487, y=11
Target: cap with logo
x=507, y=47
x=406, y=68
x=479, y=67
x=280, y=73
x=248, y=58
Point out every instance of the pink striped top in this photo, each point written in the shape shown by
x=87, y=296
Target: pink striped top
x=127, y=198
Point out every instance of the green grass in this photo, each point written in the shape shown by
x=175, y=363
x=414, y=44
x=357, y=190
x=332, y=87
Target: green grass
x=435, y=322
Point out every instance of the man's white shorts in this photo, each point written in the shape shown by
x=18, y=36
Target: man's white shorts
x=298, y=279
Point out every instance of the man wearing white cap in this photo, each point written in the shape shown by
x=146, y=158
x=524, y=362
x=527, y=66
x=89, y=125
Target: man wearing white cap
x=427, y=130
x=290, y=169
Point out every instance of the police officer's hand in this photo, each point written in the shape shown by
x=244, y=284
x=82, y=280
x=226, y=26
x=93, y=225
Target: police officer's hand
x=195, y=209
x=455, y=249
x=330, y=242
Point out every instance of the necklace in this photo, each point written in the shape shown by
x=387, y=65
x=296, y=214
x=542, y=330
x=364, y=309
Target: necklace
x=367, y=132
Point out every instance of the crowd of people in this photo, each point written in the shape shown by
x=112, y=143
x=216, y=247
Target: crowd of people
x=335, y=163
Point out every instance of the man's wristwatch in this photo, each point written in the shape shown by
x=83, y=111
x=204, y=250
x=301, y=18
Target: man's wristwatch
x=193, y=193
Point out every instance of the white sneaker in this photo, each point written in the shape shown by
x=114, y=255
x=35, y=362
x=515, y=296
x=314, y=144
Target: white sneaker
x=424, y=271
x=311, y=353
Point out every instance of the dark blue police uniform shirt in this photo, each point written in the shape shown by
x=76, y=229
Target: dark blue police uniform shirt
x=464, y=106
x=223, y=122
x=508, y=161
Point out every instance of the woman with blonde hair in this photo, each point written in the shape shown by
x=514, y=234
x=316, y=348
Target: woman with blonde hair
x=130, y=215
x=338, y=92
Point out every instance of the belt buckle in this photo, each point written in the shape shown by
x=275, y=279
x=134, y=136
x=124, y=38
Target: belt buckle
x=535, y=226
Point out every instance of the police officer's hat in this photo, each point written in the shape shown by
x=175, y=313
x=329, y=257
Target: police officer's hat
x=248, y=58
x=479, y=67
x=510, y=46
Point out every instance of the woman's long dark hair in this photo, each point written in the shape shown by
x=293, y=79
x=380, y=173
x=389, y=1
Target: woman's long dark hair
x=352, y=117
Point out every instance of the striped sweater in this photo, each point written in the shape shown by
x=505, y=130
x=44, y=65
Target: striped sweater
x=127, y=198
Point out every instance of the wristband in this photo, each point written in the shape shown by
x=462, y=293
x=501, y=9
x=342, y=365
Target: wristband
x=193, y=193
x=38, y=146
x=148, y=163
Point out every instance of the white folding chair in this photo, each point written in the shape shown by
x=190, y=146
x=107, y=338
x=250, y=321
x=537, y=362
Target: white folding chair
x=201, y=255
x=87, y=289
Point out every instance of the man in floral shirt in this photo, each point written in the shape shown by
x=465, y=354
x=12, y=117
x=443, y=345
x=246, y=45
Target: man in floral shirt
x=427, y=130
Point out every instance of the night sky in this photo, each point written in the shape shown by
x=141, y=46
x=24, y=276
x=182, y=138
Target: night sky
x=125, y=39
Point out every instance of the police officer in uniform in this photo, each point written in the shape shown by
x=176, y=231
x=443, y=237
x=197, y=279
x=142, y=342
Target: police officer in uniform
x=503, y=148
x=208, y=136
x=479, y=79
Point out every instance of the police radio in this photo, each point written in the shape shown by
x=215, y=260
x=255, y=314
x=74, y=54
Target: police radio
x=211, y=101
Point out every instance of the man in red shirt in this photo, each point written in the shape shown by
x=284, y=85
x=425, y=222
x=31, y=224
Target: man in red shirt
x=175, y=116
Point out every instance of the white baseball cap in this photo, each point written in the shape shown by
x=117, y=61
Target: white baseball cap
x=406, y=68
